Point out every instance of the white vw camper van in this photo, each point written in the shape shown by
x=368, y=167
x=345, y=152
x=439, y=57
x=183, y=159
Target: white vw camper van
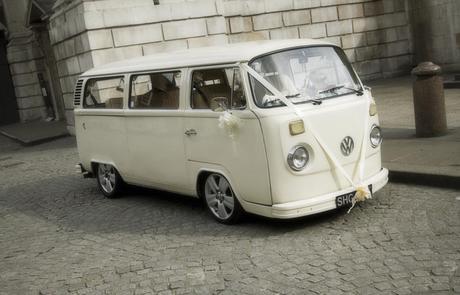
x=277, y=128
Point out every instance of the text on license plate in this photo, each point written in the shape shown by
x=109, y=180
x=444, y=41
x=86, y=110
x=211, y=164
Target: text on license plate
x=345, y=199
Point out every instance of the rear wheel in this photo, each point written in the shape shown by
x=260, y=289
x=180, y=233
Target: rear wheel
x=109, y=180
x=221, y=200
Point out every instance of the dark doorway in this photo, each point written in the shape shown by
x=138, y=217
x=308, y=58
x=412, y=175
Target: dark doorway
x=8, y=105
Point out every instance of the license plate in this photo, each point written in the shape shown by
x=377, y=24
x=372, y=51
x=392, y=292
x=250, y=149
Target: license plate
x=344, y=200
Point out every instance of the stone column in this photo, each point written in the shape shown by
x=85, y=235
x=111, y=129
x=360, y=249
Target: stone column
x=25, y=60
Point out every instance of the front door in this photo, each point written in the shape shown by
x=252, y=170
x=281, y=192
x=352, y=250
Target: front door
x=230, y=141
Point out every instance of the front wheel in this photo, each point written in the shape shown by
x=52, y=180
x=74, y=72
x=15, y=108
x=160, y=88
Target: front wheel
x=221, y=200
x=109, y=180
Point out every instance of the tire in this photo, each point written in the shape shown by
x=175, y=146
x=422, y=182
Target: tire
x=220, y=199
x=108, y=180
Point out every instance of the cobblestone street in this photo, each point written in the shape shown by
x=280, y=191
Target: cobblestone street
x=58, y=234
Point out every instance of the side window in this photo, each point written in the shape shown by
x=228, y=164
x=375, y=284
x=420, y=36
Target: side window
x=104, y=93
x=155, y=91
x=217, y=89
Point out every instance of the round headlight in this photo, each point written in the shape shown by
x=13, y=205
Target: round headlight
x=298, y=158
x=375, y=136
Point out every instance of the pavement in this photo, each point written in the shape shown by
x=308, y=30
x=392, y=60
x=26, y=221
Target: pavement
x=430, y=161
x=35, y=132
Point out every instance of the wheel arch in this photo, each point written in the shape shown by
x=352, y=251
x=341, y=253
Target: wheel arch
x=205, y=171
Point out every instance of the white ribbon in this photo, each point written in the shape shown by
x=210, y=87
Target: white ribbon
x=362, y=191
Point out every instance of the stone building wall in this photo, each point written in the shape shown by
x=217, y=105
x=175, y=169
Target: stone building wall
x=374, y=33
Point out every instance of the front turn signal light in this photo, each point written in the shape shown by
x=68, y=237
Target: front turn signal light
x=372, y=109
x=296, y=127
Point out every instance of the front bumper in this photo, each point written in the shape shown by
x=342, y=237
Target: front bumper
x=312, y=205
x=324, y=202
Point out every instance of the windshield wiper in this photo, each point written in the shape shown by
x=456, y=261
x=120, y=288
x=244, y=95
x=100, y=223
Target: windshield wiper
x=333, y=89
x=293, y=95
x=315, y=101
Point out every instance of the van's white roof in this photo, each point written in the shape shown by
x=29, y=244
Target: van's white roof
x=236, y=52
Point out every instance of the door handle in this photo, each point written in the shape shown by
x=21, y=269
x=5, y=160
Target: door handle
x=190, y=132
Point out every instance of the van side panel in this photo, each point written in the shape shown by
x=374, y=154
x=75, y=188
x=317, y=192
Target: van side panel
x=101, y=137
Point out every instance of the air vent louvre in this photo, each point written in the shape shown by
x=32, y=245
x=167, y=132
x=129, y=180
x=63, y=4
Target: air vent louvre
x=77, y=93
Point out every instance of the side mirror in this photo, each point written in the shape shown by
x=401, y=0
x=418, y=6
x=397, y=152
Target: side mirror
x=219, y=104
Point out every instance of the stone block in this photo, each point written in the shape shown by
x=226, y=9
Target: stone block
x=339, y=28
x=251, y=36
x=73, y=67
x=354, y=40
x=382, y=36
x=302, y=4
x=216, y=25
x=32, y=114
x=25, y=79
x=243, y=7
x=213, y=40
x=68, y=84
x=62, y=68
x=396, y=64
x=399, y=6
x=313, y=31
x=192, y=9
x=403, y=33
x=99, y=39
x=351, y=11
x=184, y=29
x=373, y=8
x=82, y=43
x=324, y=14
x=136, y=15
x=68, y=100
x=392, y=20
x=93, y=19
x=30, y=102
x=85, y=61
x=164, y=46
x=104, y=56
x=108, y=4
x=24, y=53
x=370, y=52
x=350, y=53
x=365, y=24
x=240, y=24
x=68, y=47
x=285, y=33
x=389, y=6
x=368, y=67
x=333, y=40
x=274, y=6
x=397, y=48
x=28, y=90
x=69, y=118
x=296, y=17
x=23, y=67
x=136, y=35
x=267, y=21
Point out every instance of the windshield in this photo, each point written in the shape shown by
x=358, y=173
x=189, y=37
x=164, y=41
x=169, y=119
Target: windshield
x=304, y=75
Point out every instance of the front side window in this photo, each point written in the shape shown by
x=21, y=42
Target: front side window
x=217, y=89
x=104, y=93
x=155, y=91
x=304, y=74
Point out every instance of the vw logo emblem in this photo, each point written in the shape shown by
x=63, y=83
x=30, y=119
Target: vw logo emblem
x=347, y=146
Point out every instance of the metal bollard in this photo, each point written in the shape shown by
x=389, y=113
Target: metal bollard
x=429, y=105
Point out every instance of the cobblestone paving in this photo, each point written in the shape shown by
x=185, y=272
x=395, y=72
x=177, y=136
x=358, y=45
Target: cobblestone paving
x=58, y=235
